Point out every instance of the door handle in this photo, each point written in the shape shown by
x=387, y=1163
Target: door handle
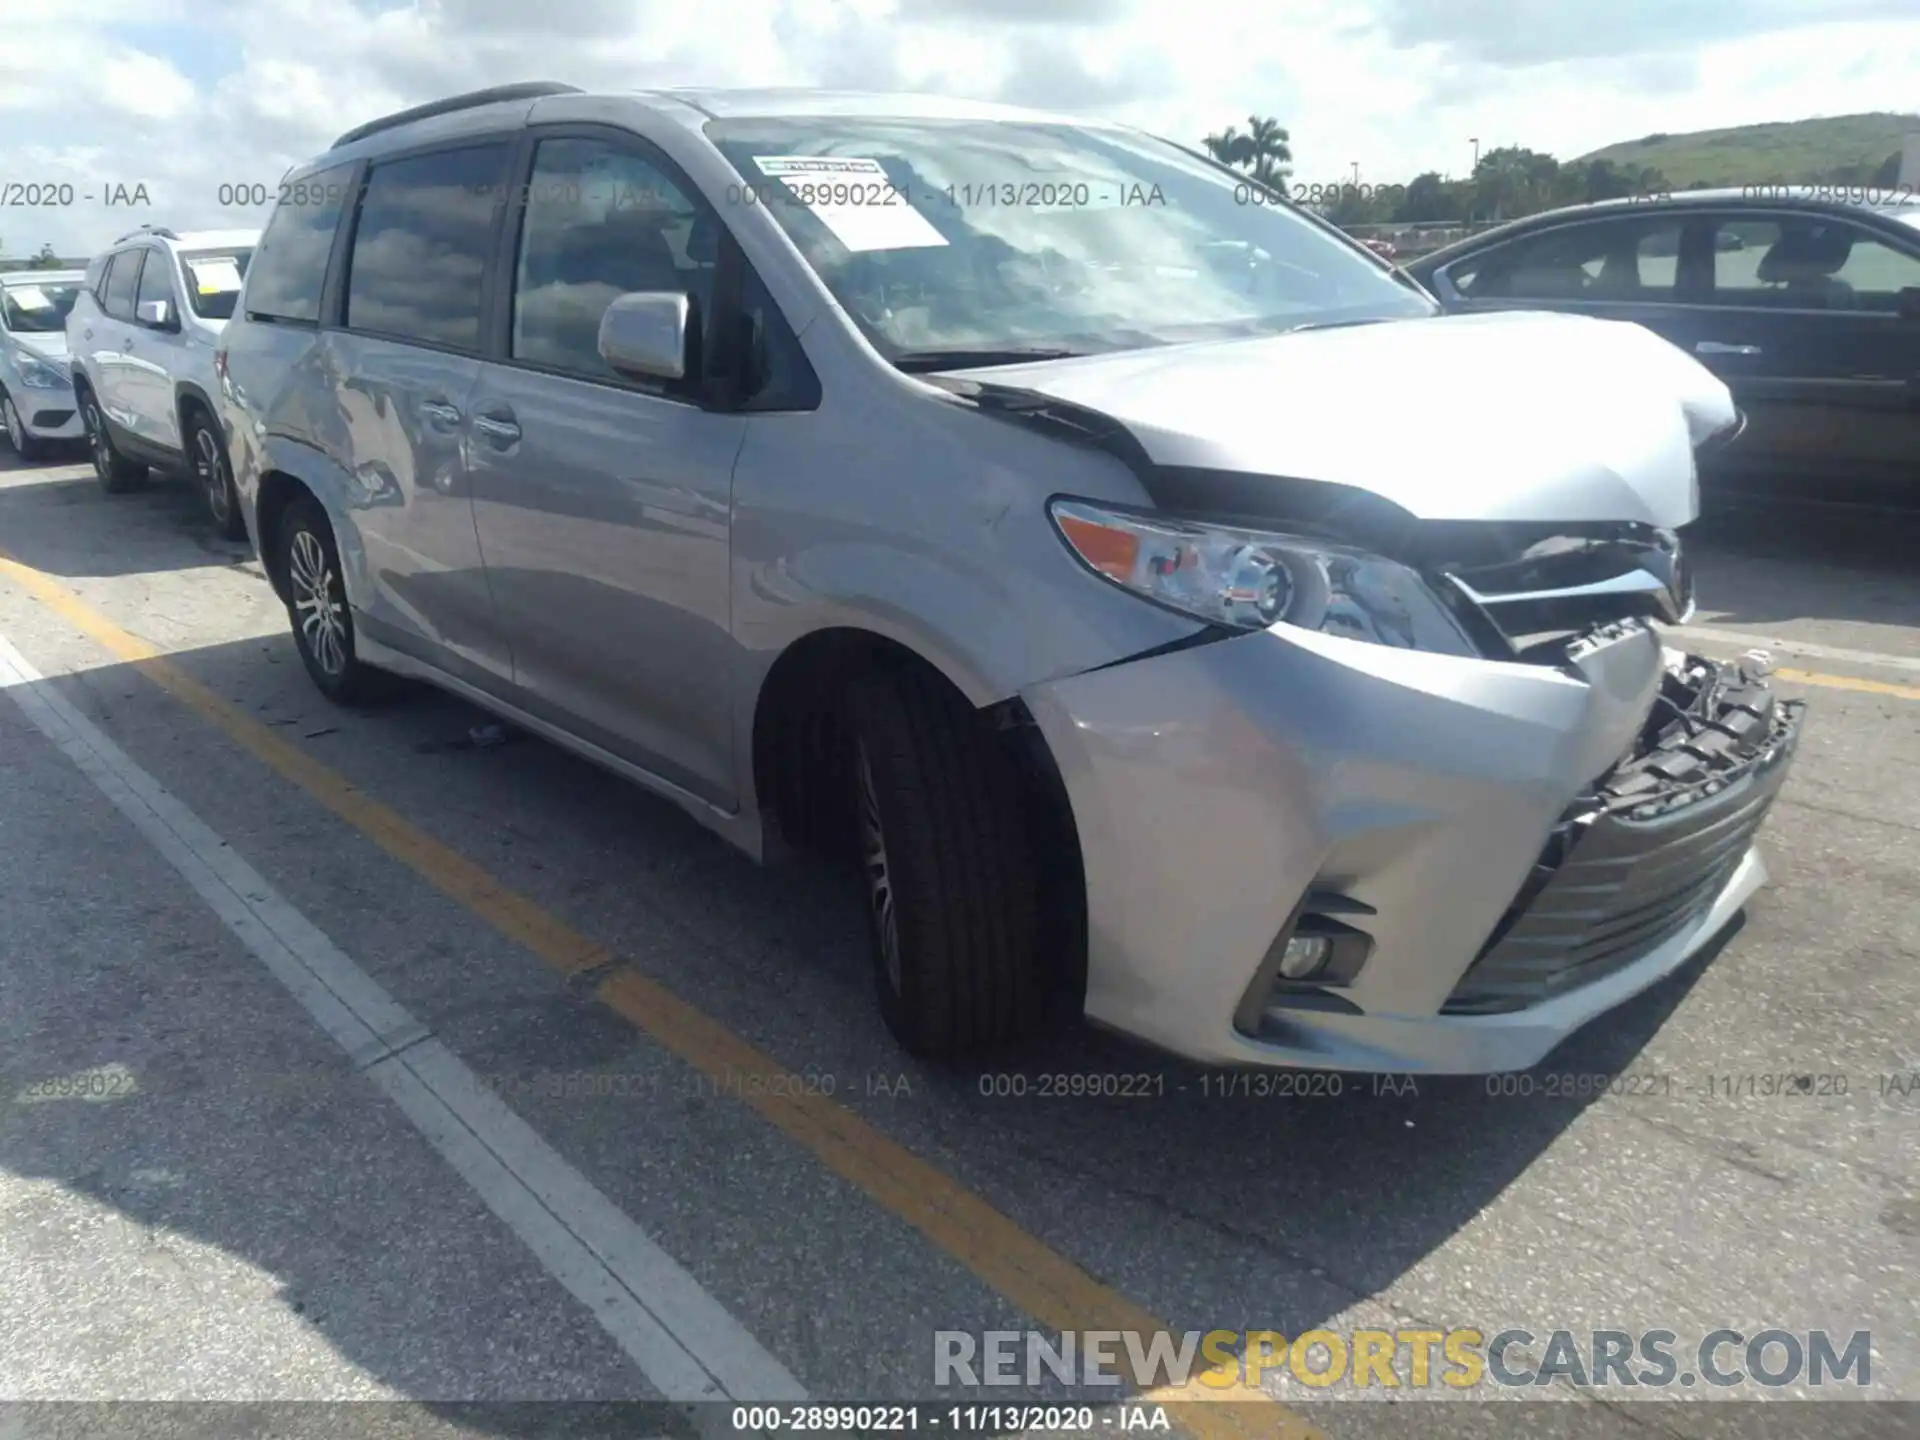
x=1719, y=347
x=501, y=430
x=440, y=411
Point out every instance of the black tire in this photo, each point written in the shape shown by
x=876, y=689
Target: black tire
x=207, y=458
x=117, y=474
x=29, y=448
x=310, y=562
x=948, y=859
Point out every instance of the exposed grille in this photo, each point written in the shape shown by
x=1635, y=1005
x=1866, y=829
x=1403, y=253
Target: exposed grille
x=1565, y=585
x=1637, y=866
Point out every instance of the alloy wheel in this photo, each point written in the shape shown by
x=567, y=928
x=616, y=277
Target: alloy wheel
x=211, y=474
x=873, y=854
x=97, y=441
x=316, y=602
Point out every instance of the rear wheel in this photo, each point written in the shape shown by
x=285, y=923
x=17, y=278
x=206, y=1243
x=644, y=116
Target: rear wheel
x=28, y=447
x=117, y=473
x=317, y=606
x=947, y=850
x=215, y=478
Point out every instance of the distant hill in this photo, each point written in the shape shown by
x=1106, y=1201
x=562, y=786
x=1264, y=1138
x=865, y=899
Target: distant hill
x=1841, y=148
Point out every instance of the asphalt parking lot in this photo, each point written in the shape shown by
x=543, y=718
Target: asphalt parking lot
x=204, y=1195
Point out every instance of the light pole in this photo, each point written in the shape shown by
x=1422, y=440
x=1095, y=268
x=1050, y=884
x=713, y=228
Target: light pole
x=1356, y=173
x=1475, y=142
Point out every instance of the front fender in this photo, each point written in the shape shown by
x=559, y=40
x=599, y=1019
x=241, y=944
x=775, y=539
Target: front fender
x=910, y=515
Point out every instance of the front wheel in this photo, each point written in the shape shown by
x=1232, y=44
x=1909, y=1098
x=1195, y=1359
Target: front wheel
x=951, y=879
x=317, y=606
x=215, y=478
x=117, y=474
x=28, y=447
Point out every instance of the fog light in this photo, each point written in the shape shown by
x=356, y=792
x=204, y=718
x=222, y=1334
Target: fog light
x=1304, y=955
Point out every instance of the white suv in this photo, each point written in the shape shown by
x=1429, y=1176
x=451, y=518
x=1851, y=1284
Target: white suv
x=141, y=337
x=36, y=399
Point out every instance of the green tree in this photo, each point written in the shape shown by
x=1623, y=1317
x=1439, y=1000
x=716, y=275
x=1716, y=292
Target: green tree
x=1428, y=197
x=44, y=260
x=1513, y=180
x=1263, y=150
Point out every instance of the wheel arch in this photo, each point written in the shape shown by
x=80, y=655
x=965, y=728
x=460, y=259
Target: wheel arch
x=279, y=489
x=800, y=778
x=189, y=395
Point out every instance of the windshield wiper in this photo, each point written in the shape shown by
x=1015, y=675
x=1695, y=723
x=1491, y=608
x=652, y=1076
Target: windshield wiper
x=1336, y=324
x=920, y=361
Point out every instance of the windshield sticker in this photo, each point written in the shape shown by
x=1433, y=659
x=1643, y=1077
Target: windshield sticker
x=853, y=198
x=220, y=276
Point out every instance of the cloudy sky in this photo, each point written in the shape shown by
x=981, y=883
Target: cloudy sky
x=183, y=96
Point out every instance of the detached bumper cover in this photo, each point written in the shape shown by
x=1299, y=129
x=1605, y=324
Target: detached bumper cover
x=1468, y=818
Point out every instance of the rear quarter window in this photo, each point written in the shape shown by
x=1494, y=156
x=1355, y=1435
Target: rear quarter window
x=289, y=265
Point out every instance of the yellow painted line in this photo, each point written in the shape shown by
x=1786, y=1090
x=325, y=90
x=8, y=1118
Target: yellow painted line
x=1849, y=682
x=1043, y=1283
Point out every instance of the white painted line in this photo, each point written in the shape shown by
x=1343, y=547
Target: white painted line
x=1748, y=640
x=684, y=1342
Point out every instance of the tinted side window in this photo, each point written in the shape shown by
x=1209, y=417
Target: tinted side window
x=601, y=222
x=420, y=246
x=1614, y=260
x=1808, y=263
x=123, y=282
x=290, y=263
x=155, y=283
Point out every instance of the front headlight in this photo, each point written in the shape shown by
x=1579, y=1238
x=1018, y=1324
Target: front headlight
x=1250, y=579
x=38, y=374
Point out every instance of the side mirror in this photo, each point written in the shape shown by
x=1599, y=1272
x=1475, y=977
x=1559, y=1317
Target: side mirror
x=155, y=314
x=1909, y=303
x=646, y=333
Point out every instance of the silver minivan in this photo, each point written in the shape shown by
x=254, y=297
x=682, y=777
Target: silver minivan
x=1172, y=617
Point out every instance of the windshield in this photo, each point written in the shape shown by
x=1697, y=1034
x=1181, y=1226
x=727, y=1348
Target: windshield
x=213, y=279
x=974, y=237
x=39, y=308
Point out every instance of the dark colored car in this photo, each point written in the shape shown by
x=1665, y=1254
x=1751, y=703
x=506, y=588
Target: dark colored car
x=1808, y=308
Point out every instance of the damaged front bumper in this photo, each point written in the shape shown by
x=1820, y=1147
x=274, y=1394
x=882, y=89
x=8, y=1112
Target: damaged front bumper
x=1494, y=851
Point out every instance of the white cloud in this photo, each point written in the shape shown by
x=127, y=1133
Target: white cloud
x=188, y=95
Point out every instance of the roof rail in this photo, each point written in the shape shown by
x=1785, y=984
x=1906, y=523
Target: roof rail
x=160, y=230
x=524, y=90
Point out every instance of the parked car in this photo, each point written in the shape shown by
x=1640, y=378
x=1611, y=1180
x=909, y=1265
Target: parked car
x=1808, y=308
x=36, y=392
x=1065, y=577
x=1383, y=248
x=141, y=334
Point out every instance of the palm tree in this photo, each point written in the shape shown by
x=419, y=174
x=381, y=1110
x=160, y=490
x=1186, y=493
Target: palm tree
x=1263, y=151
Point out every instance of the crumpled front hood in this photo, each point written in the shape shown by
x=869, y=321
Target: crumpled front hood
x=1515, y=416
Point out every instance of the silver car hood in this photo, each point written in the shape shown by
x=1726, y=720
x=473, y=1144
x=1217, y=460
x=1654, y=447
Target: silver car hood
x=49, y=346
x=1514, y=416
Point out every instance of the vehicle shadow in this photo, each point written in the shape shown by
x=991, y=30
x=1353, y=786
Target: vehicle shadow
x=1764, y=561
x=136, y=533
x=1321, y=1200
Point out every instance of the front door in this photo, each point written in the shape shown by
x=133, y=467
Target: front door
x=603, y=502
